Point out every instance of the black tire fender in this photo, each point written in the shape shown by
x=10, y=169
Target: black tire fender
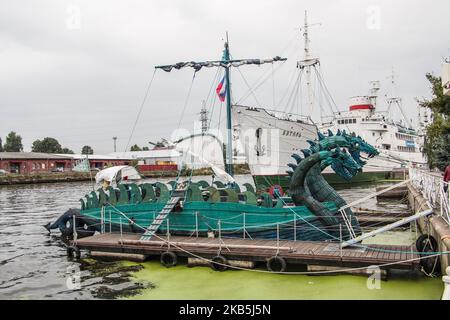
x=169, y=259
x=276, y=264
x=426, y=243
x=219, y=263
x=425, y=239
x=73, y=252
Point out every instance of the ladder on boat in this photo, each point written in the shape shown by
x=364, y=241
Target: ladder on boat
x=162, y=216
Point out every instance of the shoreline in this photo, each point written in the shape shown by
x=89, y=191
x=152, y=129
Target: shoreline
x=55, y=177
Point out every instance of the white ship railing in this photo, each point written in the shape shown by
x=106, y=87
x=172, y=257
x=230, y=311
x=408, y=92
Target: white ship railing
x=434, y=189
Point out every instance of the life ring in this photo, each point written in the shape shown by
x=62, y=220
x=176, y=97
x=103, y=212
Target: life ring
x=169, y=259
x=276, y=264
x=276, y=191
x=219, y=263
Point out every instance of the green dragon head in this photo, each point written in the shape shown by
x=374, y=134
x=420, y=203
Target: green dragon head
x=338, y=158
x=345, y=158
x=357, y=146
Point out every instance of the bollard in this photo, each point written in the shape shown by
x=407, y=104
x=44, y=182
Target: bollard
x=446, y=279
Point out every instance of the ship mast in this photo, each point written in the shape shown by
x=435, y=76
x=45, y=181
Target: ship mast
x=226, y=55
x=307, y=63
x=225, y=63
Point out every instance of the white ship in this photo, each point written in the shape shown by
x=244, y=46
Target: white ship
x=269, y=138
x=398, y=143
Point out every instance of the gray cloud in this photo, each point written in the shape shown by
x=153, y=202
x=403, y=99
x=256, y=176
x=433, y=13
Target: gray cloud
x=85, y=85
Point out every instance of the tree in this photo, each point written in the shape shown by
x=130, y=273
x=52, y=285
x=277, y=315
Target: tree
x=145, y=149
x=67, y=151
x=46, y=145
x=87, y=150
x=437, y=140
x=1, y=147
x=13, y=143
x=160, y=144
x=135, y=148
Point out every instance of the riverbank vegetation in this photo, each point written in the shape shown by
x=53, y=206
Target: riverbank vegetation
x=437, y=140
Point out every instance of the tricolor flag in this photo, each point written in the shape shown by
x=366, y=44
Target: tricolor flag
x=221, y=90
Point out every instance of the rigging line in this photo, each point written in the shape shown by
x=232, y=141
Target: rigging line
x=140, y=109
x=294, y=94
x=267, y=72
x=212, y=85
x=322, y=85
x=252, y=92
x=328, y=91
x=288, y=102
x=291, y=78
x=259, y=83
x=187, y=100
x=214, y=99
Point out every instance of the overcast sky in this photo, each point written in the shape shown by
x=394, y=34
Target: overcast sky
x=78, y=70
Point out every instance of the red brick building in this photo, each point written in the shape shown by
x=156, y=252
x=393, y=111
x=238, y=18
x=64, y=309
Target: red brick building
x=29, y=162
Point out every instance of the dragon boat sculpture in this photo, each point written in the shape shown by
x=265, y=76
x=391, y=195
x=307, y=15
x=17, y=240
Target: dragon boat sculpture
x=308, y=211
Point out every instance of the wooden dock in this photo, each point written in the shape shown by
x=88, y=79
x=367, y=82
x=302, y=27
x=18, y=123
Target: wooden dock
x=293, y=252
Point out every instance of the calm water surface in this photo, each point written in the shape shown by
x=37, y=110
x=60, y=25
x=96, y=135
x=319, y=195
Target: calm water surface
x=34, y=265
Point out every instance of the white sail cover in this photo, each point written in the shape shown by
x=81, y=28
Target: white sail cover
x=117, y=174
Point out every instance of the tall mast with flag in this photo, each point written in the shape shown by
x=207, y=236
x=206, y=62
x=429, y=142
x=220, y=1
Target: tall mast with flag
x=224, y=88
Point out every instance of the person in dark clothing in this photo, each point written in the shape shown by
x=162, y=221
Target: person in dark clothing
x=446, y=178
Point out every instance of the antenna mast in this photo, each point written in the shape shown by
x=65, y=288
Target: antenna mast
x=307, y=63
x=397, y=100
x=204, y=118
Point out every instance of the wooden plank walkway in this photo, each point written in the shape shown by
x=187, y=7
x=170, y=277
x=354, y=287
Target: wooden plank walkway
x=295, y=252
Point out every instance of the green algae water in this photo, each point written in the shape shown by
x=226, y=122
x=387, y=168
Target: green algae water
x=184, y=282
x=181, y=282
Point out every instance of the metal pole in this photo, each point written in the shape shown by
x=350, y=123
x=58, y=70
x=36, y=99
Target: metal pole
x=120, y=221
x=168, y=235
x=75, y=235
x=229, y=124
x=340, y=238
x=278, y=238
x=102, y=218
x=110, y=226
x=220, y=235
x=196, y=224
x=244, y=227
x=295, y=227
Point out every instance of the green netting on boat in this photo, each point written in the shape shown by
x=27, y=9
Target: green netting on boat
x=123, y=195
x=148, y=192
x=249, y=187
x=162, y=192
